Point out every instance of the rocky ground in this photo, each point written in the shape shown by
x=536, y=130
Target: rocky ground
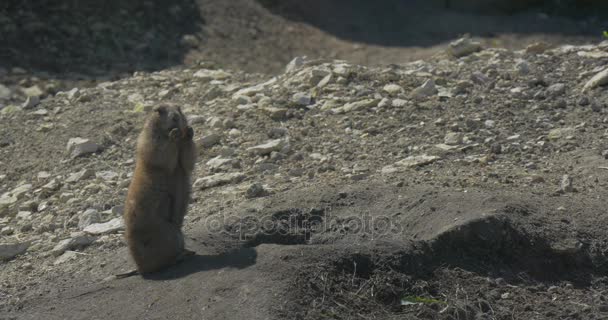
x=469, y=185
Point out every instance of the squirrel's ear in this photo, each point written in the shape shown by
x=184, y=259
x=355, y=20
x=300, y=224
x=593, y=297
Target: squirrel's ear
x=161, y=110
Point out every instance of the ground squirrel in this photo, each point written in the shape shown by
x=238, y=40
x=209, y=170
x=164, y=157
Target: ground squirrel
x=160, y=191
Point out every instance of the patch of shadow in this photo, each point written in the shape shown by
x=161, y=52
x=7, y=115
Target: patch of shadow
x=426, y=23
x=240, y=258
x=76, y=39
x=292, y=226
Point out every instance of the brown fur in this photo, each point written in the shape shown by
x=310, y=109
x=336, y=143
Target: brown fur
x=160, y=190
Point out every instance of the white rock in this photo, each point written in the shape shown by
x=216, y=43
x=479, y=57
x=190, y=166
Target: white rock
x=107, y=175
x=31, y=102
x=295, y=64
x=209, y=140
x=21, y=190
x=67, y=256
x=556, y=89
x=409, y=162
x=463, y=46
x=490, y=124
x=80, y=175
x=302, y=98
x=453, y=138
x=87, y=218
x=399, y=103
x=599, y=79
x=218, y=180
x=219, y=162
x=206, y=74
x=9, y=251
x=268, y=147
x=359, y=105
x=78, y=241
x=427, y=89
x=393, y=89
x=560, y=133
x=43, y=175
x=78, y=147
x=5, y=92
x=111, y=226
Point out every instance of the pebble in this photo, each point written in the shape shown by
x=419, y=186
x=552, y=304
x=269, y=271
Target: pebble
x=78, y=147
x=409, y=162
x=427, y=89
x=87, y=218
x=208, y=75
x=302, y=99
x=557, y=89
x=31, y=102
x=268, y=147
x=392, y=89
x=255, y=190
x=463, y=47
x=599, y=79
x=566, y=184
x=80, y=175
x=295, y=64
x=9, y=251
x=218, y=179
x=5, y=92
x=453, y=138
x=209, y=140
x=111, y=226
x=66, y=257
x=77, y=241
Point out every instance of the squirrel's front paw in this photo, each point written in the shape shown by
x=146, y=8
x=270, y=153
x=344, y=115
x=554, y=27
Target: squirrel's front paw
x=174, y=134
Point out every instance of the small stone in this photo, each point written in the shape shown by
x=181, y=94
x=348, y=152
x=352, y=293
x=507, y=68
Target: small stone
x=43, y=175
x=427, y=89
x=522, y=67
x=359, y=105
x=107, y=175
x=80, y=175
x=453, y=138
x=566, y=184
x=7, y=231
x=209, y=140
x=33, y=91
x=463, y=47
x=5, y=92
x=605, y=154
x=31, y=102
x=277, y=114
x=557, y=89
x=295, y=64
x=392, y=89
x=66, y=257
x=218, y=180
x=479, y=78
x=599, y=79
x=255, y=190
x=87, y=218
x=9, y=251
x=560, y=133
x=111, y=226
x=490, y=124
x=410, y=162
x=77, y=241
x=79, y=147
x=219, y=162
x=399, y=103
x=537, y=48
x=302, y=99
x=268, y=147
x=208, y=75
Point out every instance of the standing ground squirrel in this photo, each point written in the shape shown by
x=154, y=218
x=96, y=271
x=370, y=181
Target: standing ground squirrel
x=160, y=190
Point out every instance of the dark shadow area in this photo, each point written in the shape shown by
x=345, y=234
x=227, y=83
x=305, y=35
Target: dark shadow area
x=75, y=39
x=426, y=23
x=239, y=258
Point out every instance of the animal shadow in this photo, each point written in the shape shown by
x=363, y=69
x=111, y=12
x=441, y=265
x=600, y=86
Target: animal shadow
x=239, y=258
